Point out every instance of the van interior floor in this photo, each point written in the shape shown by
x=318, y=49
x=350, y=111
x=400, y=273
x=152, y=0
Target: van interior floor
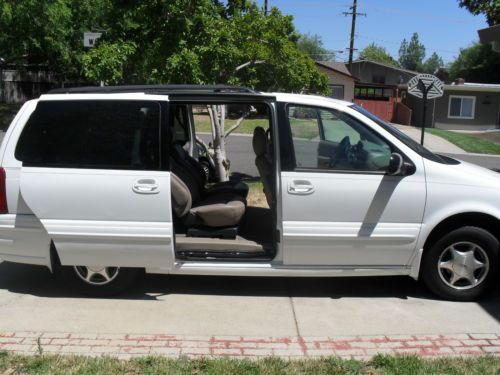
x=254, y=240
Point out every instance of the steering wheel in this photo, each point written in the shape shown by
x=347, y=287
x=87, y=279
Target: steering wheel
x=354, y=154
x=342, y=152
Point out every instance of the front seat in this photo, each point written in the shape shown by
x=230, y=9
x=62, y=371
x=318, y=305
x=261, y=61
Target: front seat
x=263, y=161
x=217, y=215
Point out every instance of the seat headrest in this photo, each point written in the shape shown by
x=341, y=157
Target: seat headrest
x=259, y=141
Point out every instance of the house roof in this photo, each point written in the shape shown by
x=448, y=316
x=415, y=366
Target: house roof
x=338, y=67
x=474, y=87
x=386, y=66
x=466, y=87
x=489, y=34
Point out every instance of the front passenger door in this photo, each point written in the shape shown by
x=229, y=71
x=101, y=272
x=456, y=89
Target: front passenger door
x=340, y=208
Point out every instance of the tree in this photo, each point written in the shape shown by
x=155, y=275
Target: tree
x=312, y=45
x=490, y=8
x=433, y=64
x=48, y=33
x=477, y=63
x=181, y=41
x=374, y=52
x=412, y=54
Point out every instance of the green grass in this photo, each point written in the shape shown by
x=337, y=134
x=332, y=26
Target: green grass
x=7, y=113
x=160, y=365
x=203, y=125
x=466, y=142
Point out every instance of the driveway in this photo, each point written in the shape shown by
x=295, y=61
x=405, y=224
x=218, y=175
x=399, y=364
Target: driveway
x=32, y=300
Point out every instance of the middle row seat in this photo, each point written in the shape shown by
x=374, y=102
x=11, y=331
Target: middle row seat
x=196, y=172
x=221, y=210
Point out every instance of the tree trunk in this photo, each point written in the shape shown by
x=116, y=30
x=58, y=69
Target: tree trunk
x=217, y=115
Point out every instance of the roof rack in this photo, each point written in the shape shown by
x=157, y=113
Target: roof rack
x=155, y=89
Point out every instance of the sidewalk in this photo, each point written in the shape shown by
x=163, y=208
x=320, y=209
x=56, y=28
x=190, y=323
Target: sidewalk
x=346, y=347
x=431, y=141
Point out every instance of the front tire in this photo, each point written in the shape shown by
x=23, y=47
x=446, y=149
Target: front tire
x=99, y=281
x=462, y=265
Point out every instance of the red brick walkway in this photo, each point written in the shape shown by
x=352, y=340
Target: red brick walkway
x=358, y=347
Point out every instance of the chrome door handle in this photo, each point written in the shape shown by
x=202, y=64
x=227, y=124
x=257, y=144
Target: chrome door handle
x=146, y=186
x=300, y=187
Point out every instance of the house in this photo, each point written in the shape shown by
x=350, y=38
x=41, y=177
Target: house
x=378, y=89
x=374, y=72
x=463, y=106
x=340, y=80
x=490, y=35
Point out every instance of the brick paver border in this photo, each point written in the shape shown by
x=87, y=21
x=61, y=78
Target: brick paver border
x=357, y=347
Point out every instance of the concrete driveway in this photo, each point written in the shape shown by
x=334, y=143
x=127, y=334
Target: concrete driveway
x=32, y=300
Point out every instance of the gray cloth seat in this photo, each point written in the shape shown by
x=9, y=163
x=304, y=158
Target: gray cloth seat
x=263, y=161
x=213, y=211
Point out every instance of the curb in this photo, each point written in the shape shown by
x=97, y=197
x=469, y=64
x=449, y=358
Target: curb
x=298, y=347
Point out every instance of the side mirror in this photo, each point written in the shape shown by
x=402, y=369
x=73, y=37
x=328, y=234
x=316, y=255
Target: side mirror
x=397, y=166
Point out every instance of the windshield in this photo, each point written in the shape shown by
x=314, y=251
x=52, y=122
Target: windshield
x=415, y=146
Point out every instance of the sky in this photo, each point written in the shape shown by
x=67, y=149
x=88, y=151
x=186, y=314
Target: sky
x=443, y=27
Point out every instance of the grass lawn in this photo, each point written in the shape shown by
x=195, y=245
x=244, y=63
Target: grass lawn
x=256, y=196
x=13, y=364
x=202, y=124
x=467, y=142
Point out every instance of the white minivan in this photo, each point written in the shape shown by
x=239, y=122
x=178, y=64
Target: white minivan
x=101, y=183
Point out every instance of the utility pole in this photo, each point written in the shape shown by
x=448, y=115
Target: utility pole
x=354, y=13
x=265, y=7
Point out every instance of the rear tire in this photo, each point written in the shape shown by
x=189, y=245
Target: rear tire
x=99, y=281
x=462, y=265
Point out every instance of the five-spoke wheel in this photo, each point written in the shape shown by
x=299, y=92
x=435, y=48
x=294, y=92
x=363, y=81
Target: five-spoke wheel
x=459, y=265
x=99, y=281
x=463, y=265
x=97, y=275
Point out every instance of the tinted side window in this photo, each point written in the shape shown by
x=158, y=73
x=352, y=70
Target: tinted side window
x=330, y=139
x=100, y=134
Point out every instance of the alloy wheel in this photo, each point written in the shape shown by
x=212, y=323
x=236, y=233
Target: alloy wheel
x=463, y=265
x=97, y=275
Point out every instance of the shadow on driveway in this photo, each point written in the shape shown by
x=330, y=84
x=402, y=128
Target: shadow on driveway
x=38, y=281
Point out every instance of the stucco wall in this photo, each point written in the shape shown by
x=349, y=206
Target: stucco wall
x=335, y=78
x=486, y=111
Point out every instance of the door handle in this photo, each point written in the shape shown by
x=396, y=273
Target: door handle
x=146, y=186
x=300, y=187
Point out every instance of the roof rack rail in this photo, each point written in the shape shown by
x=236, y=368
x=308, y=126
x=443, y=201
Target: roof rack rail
x=154, y=89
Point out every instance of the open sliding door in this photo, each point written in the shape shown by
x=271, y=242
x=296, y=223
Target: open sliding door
x=94, y=175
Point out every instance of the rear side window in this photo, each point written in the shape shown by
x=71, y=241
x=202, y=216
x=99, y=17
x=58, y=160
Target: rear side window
x=100, y=134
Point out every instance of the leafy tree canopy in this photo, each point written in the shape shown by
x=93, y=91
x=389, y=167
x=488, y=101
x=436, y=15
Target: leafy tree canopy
x=412, y=53
x=433, y=64
x=161, y=41
x=477, y=63
x=374, y=52
x=313, y=46
x=490, y=8
x=40, y=32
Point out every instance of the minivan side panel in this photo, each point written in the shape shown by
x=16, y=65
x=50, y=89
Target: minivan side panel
x=22, y=237
x=93, y=216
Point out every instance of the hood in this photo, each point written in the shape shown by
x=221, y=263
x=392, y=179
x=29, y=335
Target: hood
x=465, y=173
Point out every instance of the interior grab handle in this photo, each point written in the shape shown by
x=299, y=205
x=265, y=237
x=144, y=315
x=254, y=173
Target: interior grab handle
x=146, y=186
